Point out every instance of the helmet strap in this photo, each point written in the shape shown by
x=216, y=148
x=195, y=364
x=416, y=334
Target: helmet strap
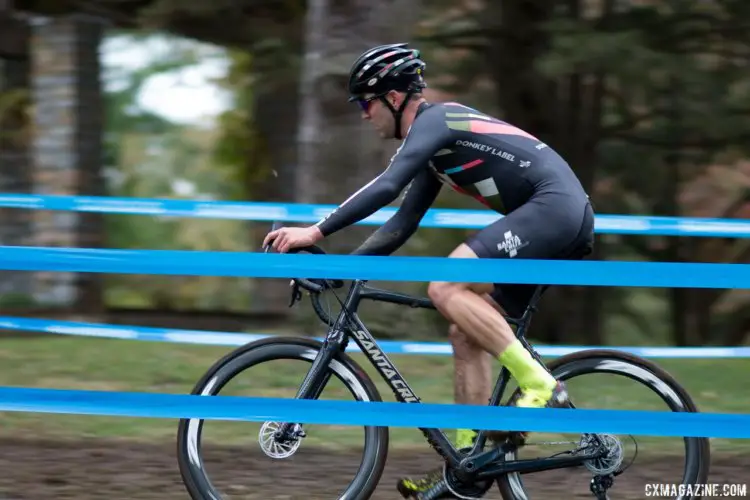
x=397, y=114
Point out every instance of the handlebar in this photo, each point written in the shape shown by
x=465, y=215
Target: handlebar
x=315, y=285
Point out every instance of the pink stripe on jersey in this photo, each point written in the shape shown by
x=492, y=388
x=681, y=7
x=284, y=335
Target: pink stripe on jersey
x=482, y=127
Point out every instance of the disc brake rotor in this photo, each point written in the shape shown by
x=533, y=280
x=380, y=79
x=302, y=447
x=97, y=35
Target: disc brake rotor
x=274, y=448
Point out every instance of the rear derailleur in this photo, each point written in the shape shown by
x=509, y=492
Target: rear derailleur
x=600, y=484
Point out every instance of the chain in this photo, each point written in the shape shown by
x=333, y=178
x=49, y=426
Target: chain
x=547, y=443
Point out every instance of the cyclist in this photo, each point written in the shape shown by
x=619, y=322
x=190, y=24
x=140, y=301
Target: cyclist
x=546, y=215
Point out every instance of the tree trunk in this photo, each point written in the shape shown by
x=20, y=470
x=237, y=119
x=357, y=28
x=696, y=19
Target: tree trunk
x=588, y=107
x=567, y=113
x=67, y=149
x=338, y=151
x=15, y=171
x=680, y=297
x=527, y=98
x=275, y=117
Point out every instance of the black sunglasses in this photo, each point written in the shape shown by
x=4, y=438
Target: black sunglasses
x=365, y=103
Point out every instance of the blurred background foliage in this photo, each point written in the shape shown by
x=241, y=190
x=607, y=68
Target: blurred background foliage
x=648, y=101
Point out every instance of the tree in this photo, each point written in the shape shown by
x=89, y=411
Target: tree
x=148, y=156
x=15, y=174
x=338, y=152
x=257, y=138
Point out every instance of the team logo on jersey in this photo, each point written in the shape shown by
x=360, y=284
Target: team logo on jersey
x=485, y=148
x=512, y=244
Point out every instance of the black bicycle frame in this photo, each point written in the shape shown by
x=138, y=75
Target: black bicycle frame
x=349, y=325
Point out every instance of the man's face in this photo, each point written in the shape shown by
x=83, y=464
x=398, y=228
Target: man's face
x=376, y=112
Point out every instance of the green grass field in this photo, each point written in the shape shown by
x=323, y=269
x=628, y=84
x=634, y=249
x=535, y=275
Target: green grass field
x=119, y=365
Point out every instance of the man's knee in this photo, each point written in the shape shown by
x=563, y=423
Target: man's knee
x=441, y=291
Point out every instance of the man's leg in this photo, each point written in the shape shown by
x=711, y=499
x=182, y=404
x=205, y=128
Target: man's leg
x=463, y=305
x=472, y=375
x=529, y=232
x=472, y=381
x=479, y=328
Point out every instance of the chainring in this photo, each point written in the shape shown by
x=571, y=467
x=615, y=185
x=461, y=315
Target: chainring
x=465, y=491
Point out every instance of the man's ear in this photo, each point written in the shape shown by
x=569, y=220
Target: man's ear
x=393, y=98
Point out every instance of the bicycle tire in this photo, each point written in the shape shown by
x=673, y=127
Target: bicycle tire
x=347, y=370
x=610, y=361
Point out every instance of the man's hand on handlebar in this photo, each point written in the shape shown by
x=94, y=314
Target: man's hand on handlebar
x=300, y=239
x=287, y=238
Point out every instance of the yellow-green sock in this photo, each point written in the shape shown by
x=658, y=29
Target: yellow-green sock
x=465, y=438
x=530, y=375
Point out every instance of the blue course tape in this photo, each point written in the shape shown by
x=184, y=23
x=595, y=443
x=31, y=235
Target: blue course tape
x=311, y=213
x=273, y=265
x=443, y=416
x=207, y=337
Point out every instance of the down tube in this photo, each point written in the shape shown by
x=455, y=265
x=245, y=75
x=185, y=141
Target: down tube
x=400, y=387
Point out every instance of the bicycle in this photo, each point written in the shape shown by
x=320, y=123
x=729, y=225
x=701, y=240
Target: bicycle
x=470, y=473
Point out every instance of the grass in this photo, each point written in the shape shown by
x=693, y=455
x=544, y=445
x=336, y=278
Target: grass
x=121, y=365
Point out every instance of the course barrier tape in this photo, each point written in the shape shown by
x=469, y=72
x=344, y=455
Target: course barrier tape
x=213, y=338
x=432, y=415
x=173, y=406
x=311, y=213
x=274, y=265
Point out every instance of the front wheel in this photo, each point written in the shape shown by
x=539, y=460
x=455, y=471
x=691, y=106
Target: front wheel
x=269, y=367
x=661, y=466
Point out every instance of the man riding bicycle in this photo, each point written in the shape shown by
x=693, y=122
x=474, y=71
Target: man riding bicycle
x=547, y=215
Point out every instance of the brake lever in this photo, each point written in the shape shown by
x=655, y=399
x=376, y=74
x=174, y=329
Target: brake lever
x=296, y=293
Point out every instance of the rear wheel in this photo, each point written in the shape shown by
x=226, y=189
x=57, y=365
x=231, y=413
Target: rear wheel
x=692, y=469
x=289, y=356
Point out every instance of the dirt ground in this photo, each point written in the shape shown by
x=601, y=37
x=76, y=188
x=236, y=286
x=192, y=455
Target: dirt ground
x=100, y=469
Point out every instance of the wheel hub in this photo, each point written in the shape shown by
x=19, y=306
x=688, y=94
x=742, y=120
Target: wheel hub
x=276, y=447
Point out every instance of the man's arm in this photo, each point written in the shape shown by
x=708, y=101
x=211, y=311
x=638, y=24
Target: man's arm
x=396, y=230
x=427, y=135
